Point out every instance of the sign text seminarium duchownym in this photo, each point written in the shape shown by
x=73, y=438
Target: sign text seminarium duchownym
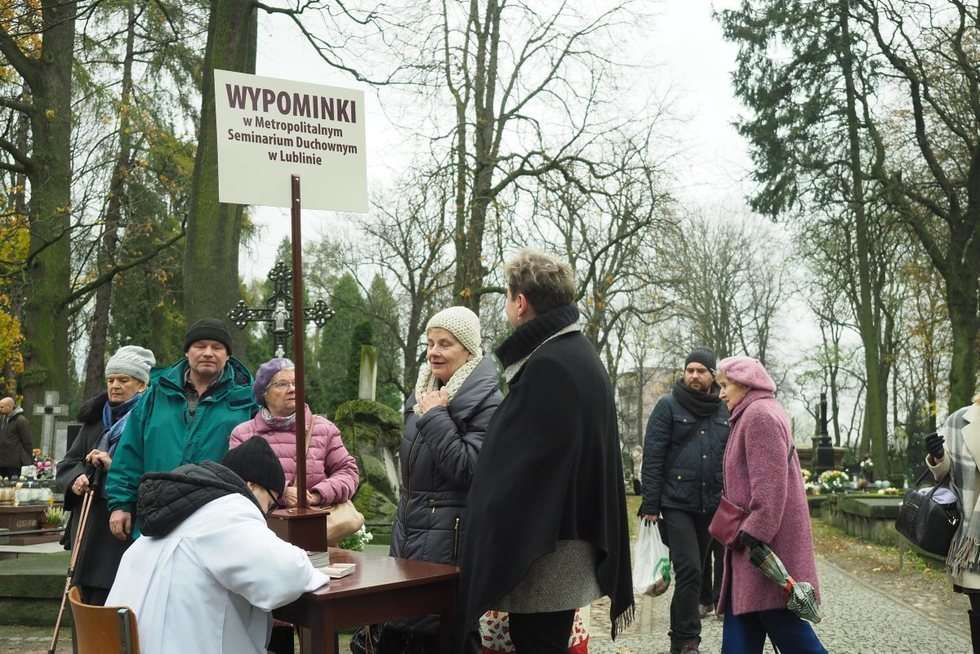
x=269, y=129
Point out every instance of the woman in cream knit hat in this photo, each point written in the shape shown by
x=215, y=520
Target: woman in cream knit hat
x=445, y=419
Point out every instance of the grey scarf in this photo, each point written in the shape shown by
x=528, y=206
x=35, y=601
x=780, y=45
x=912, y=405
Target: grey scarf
x=964, y=551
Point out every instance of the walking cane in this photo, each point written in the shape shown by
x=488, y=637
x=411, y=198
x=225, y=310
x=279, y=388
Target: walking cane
x=76, y=549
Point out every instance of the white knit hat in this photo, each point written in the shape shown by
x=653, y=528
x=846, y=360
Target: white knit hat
x=461, y=323
x=131, y=360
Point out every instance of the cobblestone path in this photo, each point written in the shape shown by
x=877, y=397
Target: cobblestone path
x=857, y=620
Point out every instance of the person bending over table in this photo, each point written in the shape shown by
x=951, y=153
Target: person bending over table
x=208, y=571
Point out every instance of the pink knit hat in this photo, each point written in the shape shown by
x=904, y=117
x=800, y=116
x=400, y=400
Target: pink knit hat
x=747, y=372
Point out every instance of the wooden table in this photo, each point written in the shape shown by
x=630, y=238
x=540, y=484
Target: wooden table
x=381, y=588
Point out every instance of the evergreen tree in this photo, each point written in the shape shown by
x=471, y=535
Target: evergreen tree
x=383, y=310
x=328, y=385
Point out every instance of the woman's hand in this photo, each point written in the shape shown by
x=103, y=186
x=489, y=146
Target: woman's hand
x=99, y=459
x=80, y=485
x=934, y=445
x=313, y=498
x=289, y=497
x=433, y=399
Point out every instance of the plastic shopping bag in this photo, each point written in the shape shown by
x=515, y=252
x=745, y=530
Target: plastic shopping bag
x=651, y=561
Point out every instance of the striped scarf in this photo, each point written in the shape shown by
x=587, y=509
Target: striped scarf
x=964, y=551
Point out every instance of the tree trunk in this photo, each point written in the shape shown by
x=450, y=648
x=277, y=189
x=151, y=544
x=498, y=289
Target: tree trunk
x=49, y=275
x=468, y=282
x=876, y=408
x=211, y=285
x=961, y=298
x=95, y=361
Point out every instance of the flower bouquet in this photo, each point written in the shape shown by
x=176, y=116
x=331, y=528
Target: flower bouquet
x=833, y=481
x=357, y=540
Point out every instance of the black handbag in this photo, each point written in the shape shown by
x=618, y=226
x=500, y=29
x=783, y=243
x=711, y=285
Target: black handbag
x=929, y=516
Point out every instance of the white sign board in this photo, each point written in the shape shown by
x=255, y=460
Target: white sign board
x=269, y=129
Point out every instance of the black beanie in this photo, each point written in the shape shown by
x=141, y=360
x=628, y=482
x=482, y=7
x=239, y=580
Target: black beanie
x=704, y=356
x=255, y=461
x=208, y=329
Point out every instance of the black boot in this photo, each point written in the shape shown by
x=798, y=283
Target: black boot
x=975, y=631
x=685, y=646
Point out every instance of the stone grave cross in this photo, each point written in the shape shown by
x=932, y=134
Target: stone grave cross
x=50, y=410
x=278, y=308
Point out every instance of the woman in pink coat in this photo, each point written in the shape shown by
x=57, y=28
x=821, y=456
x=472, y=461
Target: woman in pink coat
x=762, y=475
x=331, y=472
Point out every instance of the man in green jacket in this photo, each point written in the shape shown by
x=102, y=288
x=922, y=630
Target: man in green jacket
x=185, y=417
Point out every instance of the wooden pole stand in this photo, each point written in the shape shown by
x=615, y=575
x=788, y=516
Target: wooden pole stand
x=303, y=526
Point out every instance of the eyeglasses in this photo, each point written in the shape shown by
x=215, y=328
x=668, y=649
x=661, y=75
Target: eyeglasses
x=280, y=385
x=273, y=506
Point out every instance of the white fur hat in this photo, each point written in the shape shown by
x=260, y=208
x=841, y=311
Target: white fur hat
x=131, y=360
x=461, y=323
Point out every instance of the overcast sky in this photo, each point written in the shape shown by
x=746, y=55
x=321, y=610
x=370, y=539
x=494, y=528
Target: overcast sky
x=684, y=54
x=687, y=61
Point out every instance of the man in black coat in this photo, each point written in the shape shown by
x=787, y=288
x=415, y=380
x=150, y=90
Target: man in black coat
x=682, y=482
x=547, y=507
x=16, y=447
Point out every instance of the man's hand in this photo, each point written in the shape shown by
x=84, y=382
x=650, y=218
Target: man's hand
x=433, y=399
x=289, y=497
x=121, y=524
x=80, y=485
x=99, y=459
x=934, y=445
x=652, y=519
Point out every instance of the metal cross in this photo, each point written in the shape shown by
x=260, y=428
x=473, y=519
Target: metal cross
x=50, y=410
x=277, y=309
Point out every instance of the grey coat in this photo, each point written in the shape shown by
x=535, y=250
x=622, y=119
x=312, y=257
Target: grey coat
x=438, y=456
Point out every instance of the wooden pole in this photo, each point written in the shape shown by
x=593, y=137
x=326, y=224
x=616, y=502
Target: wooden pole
x=298, y=327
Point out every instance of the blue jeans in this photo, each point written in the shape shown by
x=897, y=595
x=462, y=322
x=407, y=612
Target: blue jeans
x=746, y=633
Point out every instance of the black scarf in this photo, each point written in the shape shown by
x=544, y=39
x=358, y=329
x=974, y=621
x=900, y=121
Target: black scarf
x=533, y=333
x=700, y=404
x=517, y=511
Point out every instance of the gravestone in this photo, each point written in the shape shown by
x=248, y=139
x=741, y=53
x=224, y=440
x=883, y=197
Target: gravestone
x=60, y=440
x=50, y=411
x=823, y=450
x=367, y=382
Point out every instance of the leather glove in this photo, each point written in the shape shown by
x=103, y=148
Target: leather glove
x=747, y=540
x=934, y=445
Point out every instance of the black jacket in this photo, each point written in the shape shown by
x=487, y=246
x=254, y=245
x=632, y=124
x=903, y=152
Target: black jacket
x=101, y=551
x=166, y=499
x=438, y=456
x=16, y=447
x=682, y=458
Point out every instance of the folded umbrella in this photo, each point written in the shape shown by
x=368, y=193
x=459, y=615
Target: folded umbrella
x=801, y=598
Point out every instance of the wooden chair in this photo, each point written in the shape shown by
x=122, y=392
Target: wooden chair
x=103, y=629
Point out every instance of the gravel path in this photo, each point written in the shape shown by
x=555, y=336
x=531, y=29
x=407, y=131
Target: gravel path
x=857, y=620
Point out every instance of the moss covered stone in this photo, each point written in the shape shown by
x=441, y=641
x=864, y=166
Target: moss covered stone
x=372, y=432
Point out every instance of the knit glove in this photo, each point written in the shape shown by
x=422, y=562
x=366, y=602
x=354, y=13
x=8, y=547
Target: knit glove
x=934, y=445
